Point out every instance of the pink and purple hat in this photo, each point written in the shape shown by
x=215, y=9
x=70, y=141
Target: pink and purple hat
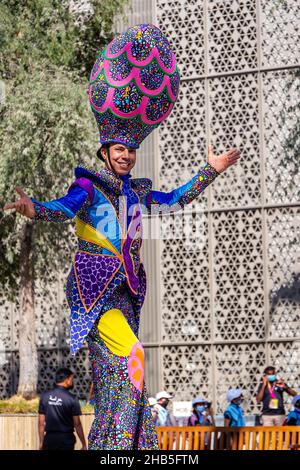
x=133, y=85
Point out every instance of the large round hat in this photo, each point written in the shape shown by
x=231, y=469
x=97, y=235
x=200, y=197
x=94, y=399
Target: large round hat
x=133, y=85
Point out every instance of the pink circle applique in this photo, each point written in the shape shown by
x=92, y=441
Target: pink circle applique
x=136, y=363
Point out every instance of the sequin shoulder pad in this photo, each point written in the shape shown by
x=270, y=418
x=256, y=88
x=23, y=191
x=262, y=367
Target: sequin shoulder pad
x=110, y=182
x=141, y=186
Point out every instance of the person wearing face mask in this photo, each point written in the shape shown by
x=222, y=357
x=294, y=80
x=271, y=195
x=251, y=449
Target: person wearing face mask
x=59, y=413
x=293, y=418
x=202, y=413
x=152, y=402
x=165, y=417
x=270, y=394
x=233, y=415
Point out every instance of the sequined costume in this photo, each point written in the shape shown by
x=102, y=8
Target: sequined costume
x=133, y=86
x=106, y=288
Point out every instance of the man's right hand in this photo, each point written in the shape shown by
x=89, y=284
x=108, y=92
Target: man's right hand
x=24, y=205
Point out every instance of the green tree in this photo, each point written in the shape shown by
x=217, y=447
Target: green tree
x=46, y=128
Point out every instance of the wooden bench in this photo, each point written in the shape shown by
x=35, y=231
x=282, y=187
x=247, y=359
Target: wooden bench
x=221, y=438
x=21, y=432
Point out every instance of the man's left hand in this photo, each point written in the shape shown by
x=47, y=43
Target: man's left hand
x=223, y=161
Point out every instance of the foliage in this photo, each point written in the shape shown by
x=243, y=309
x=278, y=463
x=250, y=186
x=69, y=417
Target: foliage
x=18, y=405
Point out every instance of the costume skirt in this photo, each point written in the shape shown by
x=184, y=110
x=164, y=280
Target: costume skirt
x=123, y=418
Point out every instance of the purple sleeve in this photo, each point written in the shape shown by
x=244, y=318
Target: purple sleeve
x=85, y=184
x=192, y=420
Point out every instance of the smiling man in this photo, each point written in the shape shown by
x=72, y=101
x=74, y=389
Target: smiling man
x=133, y=87
x=118, y=157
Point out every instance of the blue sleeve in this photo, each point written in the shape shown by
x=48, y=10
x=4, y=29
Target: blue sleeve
x=158, y=202
x=63, y=208
x=291, y=419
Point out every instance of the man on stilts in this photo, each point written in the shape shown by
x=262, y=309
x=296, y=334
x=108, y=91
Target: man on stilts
x=133, y=87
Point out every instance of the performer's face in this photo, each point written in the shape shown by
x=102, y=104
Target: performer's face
x=164, y=402
x=122, y=158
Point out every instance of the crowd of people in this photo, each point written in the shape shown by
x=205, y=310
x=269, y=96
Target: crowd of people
x=270, y=394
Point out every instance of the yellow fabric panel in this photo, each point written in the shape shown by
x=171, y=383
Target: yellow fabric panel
x=90, y=234
x=116, y=333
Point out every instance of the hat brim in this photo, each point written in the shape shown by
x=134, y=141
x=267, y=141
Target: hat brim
x=119, y=141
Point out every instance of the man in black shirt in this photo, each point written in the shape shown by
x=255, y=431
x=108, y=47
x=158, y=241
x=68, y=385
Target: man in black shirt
x=270, y=393
x=59, y=414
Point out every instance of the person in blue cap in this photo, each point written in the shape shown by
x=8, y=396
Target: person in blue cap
x=293, y=418
x=202, y=414
x=233, y=415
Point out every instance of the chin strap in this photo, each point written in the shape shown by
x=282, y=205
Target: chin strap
x=108, y=157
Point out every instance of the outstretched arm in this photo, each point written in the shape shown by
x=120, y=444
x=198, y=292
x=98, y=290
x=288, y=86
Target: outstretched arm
x=57, y=210
x=158, y=202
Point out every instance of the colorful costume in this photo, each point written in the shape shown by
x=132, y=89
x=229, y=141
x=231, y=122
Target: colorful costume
x=106, y=284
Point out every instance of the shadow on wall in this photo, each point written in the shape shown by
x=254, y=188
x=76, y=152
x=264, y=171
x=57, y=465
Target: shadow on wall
x=287, y=292
x=284, y=322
